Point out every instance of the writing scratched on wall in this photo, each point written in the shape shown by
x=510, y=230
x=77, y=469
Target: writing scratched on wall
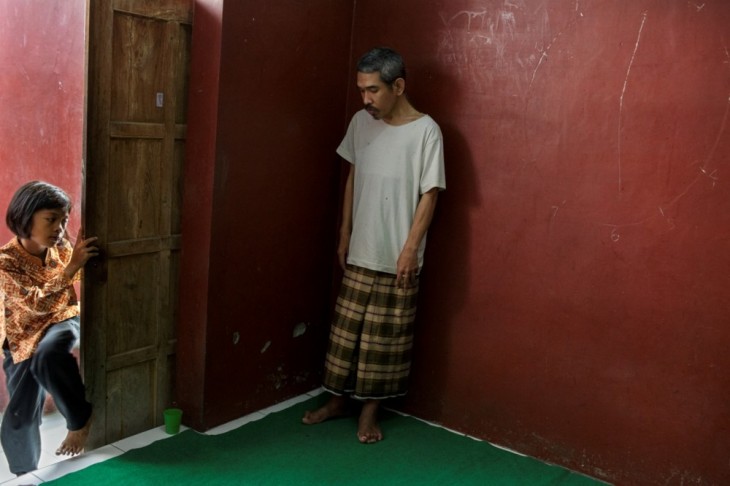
x=480, y=45
x=505, y=56
x=500, y=41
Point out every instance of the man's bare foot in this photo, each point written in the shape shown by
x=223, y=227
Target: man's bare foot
x=334, y=408
x=75, y=441
x=368, y=428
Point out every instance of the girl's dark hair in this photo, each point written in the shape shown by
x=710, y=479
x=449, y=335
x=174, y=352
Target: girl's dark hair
x=30, y=198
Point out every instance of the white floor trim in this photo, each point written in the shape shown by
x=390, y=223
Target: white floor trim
x=52, y=467
x=53, y=431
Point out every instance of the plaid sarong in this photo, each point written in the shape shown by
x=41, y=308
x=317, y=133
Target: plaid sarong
x=369, y=352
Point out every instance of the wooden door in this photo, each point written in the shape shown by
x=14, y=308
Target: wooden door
x=137, y=89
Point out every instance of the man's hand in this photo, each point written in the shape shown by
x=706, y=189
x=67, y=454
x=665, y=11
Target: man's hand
x=343, y=248
x=407, y=269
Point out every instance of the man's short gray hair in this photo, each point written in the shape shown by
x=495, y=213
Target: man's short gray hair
x=385, y=61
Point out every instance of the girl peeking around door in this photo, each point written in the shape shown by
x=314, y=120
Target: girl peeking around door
x=39, y=323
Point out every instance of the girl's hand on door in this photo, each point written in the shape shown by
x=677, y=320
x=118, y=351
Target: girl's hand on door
x=82, y=252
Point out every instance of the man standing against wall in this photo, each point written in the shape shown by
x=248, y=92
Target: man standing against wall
x=396, y=173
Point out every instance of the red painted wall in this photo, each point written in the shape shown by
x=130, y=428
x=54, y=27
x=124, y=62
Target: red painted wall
x=42, y=63
x=575, y=297
x=200, y=167
x=574, y=300
x=267, y=109
x=42, y=49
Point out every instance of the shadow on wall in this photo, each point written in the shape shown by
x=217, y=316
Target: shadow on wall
x=446, y=275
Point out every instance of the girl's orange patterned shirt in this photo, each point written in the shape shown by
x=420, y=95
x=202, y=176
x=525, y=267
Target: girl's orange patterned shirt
x=35, y=295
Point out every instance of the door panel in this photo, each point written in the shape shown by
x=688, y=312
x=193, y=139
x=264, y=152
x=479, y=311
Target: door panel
x=138, y=66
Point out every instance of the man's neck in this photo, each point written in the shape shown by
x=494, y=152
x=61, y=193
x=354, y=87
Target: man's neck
x=403, y=113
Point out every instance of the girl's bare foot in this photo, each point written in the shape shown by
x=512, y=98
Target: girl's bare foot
x=334, y=408
x=368, y=428
x=75, y=441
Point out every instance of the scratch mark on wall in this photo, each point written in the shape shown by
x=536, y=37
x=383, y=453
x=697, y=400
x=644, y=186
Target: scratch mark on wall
x=470, y=15
x=705, y=171
x=543, y=57
x=623, y=92
x=705, y=168
x=615, y=227
x=682, y=194
x=544, y=54
x=710, y=175
x=723, y=125
x=485, y=45
x=545, y=51
x=615, y=236
x=555, y=210
x=506, y=22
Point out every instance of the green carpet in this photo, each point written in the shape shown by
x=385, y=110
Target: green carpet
x=279, y=450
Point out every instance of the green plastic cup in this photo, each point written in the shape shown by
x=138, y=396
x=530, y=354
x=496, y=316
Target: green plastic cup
x=173, y=417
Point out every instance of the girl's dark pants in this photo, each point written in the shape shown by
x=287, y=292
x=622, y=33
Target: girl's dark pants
x=52, y=369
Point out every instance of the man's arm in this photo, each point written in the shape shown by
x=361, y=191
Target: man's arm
x=407, y=266
x=346, y=226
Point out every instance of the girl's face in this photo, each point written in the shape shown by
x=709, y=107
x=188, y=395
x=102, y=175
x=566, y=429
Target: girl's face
x=49, y=226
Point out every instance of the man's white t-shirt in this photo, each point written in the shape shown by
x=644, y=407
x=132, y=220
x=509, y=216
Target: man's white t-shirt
x=394, y=165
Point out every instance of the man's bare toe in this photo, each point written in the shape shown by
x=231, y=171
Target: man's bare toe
x=312, y=417
x=370, y=436
x=368, y=431
x=332, y=409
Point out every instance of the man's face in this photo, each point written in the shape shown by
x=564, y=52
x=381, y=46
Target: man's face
x=378, y=97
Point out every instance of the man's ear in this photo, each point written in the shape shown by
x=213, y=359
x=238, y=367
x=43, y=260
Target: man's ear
x=399, y=86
